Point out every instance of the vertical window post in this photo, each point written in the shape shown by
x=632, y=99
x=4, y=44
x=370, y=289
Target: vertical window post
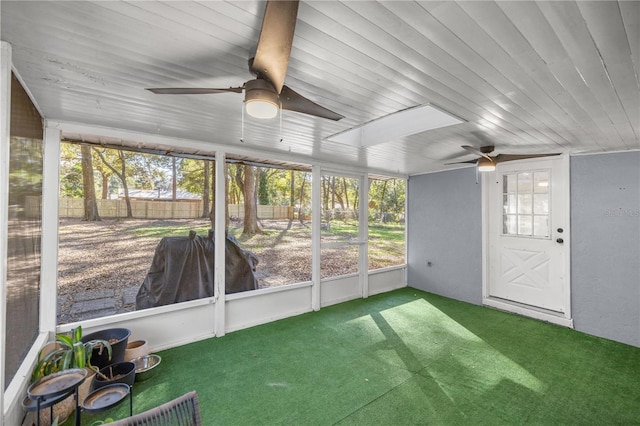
x=219, y=283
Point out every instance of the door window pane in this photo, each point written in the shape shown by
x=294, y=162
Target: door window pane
x=541, y=203
x=541, y=182
x=525, y=182
x=525, y=204
x=510, y=203
x=510, y=223
x=541, y=226
x=524, y=225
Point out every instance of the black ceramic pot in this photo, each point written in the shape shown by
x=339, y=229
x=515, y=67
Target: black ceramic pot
x=117, y=337
x=124, y=372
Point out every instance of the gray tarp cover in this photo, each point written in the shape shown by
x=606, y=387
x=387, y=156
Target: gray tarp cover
x=182, y=269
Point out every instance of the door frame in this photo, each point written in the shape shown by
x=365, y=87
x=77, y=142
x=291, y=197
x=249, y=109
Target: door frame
x=564, y=319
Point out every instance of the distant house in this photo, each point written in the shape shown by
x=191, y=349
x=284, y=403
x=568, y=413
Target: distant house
x=158, y=195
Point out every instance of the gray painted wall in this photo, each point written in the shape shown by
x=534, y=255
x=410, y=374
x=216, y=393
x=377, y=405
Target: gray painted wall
x=605, y=246
x=445, y=228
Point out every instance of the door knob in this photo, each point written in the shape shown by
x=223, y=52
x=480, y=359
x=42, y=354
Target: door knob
x=559, y=241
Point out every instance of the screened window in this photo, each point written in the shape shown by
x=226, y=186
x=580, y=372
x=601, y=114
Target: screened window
x=127, y=218
x=339, y=230
x=24, y=229
x=386, y=222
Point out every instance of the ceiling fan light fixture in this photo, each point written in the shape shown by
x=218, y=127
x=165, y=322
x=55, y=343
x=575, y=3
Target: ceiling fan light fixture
x=261, y=99
x=486, y=165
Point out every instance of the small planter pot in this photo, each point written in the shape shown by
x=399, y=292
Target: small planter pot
x=117, y=337
x=136, y=349
x=122, y=372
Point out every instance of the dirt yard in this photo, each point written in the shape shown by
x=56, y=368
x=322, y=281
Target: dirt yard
x=102, y=264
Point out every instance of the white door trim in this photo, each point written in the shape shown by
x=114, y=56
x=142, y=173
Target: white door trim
x=564, y=319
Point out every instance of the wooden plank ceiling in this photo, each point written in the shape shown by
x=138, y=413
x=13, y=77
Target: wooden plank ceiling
x=527, y=77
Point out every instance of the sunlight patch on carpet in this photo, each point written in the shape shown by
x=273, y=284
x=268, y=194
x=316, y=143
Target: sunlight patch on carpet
x=438, y=339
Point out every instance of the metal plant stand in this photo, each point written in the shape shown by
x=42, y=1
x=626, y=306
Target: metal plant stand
x=106, y=397
x=49, y=390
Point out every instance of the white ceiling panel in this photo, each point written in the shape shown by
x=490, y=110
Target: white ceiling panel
x=527, y=77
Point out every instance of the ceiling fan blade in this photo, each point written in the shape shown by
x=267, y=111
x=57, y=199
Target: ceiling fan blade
x=463, y=162
x=293, y=101
x=274, y=46
x=501, y=158
x=193, y=90
x=482, y=151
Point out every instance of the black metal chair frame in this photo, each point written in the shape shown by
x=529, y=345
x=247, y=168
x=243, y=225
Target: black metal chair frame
x=182, y=411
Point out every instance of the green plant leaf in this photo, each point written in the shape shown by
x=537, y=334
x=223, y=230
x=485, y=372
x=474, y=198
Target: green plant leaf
x=67, y=360
x=64, y=340
x=79, y=355
x=38, y=371
x=77, y=334
x=71, y=353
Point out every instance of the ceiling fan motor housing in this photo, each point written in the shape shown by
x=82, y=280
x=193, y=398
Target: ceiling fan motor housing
x=262, y=90
x=261, y=99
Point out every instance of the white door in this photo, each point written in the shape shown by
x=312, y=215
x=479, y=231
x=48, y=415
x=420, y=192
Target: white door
x=528, y=234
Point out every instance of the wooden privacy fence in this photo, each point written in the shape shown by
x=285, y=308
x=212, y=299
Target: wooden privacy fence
x=264, y=212
x=153, y=209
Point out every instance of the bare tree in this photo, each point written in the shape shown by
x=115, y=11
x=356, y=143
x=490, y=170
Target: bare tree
x=122, y=174
x=88, y=184
x=212, y=216
x=250, y=203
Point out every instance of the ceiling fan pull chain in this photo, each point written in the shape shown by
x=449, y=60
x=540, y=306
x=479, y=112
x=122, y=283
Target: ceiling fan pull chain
x=281, y=138
x=242, y=125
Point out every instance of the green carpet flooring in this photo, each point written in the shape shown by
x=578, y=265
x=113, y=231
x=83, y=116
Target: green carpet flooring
x=401, y=358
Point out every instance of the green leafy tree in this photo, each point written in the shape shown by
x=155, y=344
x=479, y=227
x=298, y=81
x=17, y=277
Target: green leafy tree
x=70, y=171
x=387, y=199
x=264, y=197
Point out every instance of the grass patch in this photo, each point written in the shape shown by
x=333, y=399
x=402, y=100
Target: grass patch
x=386, y=241
x=169, y=231
x=387, y=232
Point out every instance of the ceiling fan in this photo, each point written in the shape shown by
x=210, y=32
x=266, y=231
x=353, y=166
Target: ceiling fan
x=267, y=93
x=487, y=163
